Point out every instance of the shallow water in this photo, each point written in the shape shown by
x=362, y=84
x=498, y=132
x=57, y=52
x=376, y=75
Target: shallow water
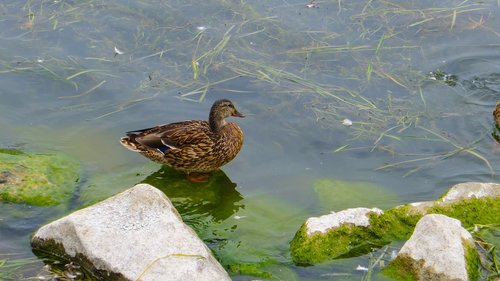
x=296, y=72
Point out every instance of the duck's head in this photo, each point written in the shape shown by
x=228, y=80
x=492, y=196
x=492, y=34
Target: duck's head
x=220, y=110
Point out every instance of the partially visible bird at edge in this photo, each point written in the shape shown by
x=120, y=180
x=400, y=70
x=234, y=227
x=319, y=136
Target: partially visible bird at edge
x=195, y=147
x=496, y=118
x=496, y=114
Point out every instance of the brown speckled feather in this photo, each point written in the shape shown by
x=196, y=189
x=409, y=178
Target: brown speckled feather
x=190, y=146
x=496, y=114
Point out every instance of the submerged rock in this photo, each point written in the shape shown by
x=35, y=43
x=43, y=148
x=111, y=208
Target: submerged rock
x=439, y=249
x=135, y=235
x=337, y=195
x=37, y=179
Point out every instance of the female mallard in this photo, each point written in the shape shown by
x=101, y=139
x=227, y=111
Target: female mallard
x=192, y=146
x=496, y=115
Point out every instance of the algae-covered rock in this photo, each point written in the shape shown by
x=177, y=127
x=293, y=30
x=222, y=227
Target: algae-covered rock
x=471, y=203
x=37, y=179
x=439, y=249
x=340, y=234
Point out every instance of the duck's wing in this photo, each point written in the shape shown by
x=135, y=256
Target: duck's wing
x=174, y=135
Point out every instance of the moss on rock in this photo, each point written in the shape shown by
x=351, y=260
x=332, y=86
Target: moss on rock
x=37, y=179
x=471, y=211
x=472, y=260
x=345, y=241
x=394, y=224
x=402, y=268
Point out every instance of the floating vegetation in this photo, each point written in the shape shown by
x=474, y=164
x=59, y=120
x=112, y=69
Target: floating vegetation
x=487, y=242
x=439, y=75
x=359, y=70
x=187, y=56
x=12, y=268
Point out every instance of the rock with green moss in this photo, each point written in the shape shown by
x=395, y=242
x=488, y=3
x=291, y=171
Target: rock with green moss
x=471, y=203
x=439, y=249
x=37, y=179
x=340, y=234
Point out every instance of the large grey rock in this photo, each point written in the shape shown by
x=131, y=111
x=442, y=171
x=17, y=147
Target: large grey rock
x=436, y=250
x=135, y=235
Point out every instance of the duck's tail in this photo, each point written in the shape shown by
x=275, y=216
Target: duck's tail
x=130, y=143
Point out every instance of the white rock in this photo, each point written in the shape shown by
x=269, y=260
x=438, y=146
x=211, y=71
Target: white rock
x=472, y=190
x=356, y=216
x=437, y=241
x=138, y=234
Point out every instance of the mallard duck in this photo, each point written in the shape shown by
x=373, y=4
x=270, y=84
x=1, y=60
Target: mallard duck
x=195, y=147
x=495, y=133
x=496, y=115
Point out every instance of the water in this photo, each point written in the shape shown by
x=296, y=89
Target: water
x=296, y=72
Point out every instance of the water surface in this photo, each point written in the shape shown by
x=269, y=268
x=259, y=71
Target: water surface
x=296, y=72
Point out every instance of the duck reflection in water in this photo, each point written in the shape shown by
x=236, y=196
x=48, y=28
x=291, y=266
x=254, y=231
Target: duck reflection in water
x=216, y=201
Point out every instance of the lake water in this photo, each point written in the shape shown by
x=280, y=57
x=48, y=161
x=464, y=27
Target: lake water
x=76, y=75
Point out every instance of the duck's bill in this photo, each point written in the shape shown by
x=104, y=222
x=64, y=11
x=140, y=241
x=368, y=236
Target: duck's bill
x=238, y=114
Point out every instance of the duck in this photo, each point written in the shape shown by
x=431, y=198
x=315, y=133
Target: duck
x=496, y=115
x=195, y=147
x=495, y=133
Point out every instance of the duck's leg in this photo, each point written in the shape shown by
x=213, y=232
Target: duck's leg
x=197, y=177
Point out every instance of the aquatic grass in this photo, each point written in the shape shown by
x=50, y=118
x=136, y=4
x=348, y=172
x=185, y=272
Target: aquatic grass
x=207, y=58
x=354, y=62
x=12, y=268
x=261, y=71
x=468, y=149
x=487, y=242
x=56, y=69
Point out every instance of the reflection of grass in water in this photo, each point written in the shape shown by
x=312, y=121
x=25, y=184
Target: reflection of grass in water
x=188, y=52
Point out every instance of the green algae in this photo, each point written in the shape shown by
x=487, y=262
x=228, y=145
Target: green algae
x=249, y=269
x=348, y=240
x=37, y=179
x=343, y=242
x=394, y=224
x=254, y=241
x=402, y=268
x=472, y=260
x=487, y=242
x=336, y=195
x=471, y=211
